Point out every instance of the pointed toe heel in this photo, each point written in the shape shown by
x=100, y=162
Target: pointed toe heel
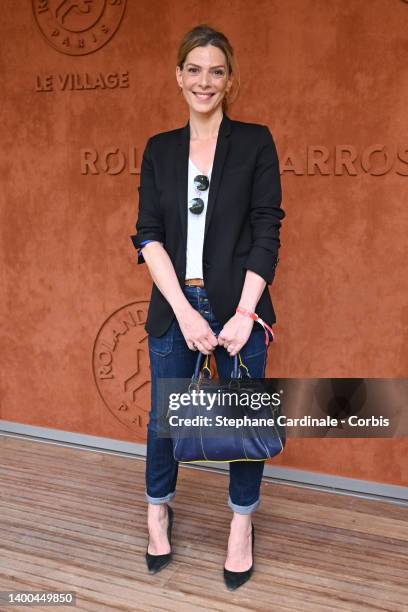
x=233, y=580
x=155, y=563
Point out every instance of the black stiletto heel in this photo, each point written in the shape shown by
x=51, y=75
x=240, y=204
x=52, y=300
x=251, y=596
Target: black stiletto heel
x=233, y=580
x=155, y=563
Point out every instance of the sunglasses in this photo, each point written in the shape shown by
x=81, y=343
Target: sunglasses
x=201, y=183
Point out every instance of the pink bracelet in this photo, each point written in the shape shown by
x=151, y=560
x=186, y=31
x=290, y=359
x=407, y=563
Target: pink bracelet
x=255, y=317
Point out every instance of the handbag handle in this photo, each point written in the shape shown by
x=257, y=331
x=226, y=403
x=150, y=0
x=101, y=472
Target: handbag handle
x=236, y=371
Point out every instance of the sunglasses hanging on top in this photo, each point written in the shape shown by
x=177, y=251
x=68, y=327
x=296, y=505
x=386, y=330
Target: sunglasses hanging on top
x=201, y=183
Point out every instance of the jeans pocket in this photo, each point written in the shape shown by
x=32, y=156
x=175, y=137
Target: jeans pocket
x=162, y=345
x=255, y=345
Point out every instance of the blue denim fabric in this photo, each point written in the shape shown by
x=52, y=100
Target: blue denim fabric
x=170, y=357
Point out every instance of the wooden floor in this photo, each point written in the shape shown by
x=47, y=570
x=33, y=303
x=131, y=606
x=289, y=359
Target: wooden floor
x=74, y=520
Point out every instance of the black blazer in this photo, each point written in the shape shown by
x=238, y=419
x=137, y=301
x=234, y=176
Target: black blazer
x=242, y=222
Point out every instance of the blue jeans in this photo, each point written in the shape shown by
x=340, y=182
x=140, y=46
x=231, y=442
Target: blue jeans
x=170, y=357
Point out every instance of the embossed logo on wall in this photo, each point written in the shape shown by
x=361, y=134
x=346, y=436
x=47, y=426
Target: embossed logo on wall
x=120, y=364
x=78, y=27
x=346, y=160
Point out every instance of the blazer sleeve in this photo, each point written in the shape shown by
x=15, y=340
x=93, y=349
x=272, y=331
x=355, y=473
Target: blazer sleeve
x=266, y=212
x=149, y=224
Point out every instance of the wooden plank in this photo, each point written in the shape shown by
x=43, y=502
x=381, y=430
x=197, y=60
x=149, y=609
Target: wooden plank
x=76, y=520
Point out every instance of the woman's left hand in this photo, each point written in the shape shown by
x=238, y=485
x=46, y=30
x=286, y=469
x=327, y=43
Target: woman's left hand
x=235, y=333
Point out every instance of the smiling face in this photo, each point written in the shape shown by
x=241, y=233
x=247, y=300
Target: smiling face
x=204, y=78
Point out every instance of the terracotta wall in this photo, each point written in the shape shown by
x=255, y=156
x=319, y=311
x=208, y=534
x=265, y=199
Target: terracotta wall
x=84, y=84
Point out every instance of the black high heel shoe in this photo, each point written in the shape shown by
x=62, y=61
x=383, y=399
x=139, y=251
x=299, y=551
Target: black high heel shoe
x=233, y=580
x=155, y=563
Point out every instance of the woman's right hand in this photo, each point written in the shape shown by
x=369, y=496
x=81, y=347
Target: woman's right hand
x=194, y=327
x=197, y=332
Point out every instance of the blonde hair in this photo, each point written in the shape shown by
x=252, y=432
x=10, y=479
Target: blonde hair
x=201, y=36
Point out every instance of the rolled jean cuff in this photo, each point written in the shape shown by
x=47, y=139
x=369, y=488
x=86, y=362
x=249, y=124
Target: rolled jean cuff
x=243, y=509
x=159, y=500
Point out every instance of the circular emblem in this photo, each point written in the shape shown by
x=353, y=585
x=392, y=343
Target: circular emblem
x=78, y=27
x=120, y=363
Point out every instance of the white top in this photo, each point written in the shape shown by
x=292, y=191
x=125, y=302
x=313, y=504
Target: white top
x=195, y=225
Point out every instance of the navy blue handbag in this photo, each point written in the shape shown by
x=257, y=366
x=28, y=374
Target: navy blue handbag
x=230, y=436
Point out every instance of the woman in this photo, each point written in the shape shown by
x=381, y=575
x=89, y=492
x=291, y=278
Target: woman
x=209, y=250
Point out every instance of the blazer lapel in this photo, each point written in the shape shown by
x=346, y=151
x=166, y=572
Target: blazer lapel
x=183, y=152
